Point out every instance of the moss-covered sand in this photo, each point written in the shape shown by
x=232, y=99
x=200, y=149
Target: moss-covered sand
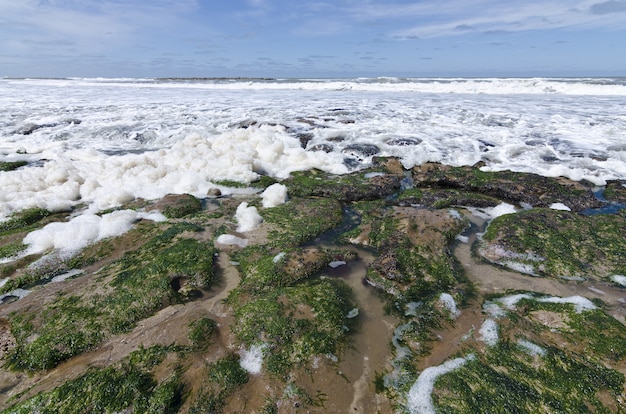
x=140, y=326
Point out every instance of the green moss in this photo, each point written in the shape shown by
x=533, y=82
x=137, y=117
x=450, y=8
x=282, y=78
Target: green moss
x=143, y=281
x=265, y=270
x=227, y=374
x=11, y=165
x=564, y=243
x=296, y=322
x=23, y=220
x=344, y=188
x=128, y=385
x=506, y=380
x=301, y=220
x=571, y=374
x=183, y=206
x=201, y=331
x=11, y=249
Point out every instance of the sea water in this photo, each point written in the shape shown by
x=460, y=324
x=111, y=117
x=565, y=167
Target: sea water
x=102, y=142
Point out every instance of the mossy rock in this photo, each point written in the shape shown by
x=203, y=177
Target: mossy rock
x=262, y=270
x=615, y=191
x=301, y=220
x=11, y=165
x=443, y=198
x=200, y=332
x=177, y=205
x=140, y=283
x=515, y=187
x=129, y=385
x=558, y=243
x=297, y=322
x=344, y=188
x=549, y=358
x=412, y=245
x=22, y=221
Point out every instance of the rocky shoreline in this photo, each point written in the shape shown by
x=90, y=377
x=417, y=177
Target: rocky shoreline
x=183, y=322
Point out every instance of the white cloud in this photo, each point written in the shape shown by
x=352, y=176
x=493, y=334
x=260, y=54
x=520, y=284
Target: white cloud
x=87, y=24
x=431, y=18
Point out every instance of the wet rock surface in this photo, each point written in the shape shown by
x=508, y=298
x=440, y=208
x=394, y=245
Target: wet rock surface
x=531, y=189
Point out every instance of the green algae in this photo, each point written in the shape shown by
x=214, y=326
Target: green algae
x=343, y=188
x=127, y=385
x=221, y=379
x=183, y=206
x=297, y=322
x=516, y=187
x=227, y=374
x=506, y=380
x=561, y=243
x=23, y=221
x=263, y=270
x=301, y=220
x=11, y=249
x=200, y=333
x=11, y=165
x=569, y=372
x=139, y=283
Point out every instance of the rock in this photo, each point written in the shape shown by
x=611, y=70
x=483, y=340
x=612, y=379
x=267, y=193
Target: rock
x=516, y=187
x=304, y=138
x=214, y=192
x=28, y=129
x=344, y=188
x=403, y=142
x=392, y=165
x=321, y=147
x=360, y=151
x=177, y=205
x=615, y=191
x=557, y=243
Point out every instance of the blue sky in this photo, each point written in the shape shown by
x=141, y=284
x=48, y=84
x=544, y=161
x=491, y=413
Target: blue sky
x=312, y=38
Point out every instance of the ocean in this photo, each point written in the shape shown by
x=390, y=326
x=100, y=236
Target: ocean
x=102, y=142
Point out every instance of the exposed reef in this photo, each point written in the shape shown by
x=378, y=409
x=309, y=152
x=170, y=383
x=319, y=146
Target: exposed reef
x=190, y=312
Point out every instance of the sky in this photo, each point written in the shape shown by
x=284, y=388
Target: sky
x=312, y=38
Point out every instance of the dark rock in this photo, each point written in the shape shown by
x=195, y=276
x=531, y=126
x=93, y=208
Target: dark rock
x=351, y=163
x=510, y=186
x=403, y=142
x=214, y=192
x=338, y=138
x=321, y=147
x=360, y=151
x=306, y=121
x=443, y=198
x=304, y=138
x=246, y=124
x=27, y=129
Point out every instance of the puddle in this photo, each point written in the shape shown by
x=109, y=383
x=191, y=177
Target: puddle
x=353, y=390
